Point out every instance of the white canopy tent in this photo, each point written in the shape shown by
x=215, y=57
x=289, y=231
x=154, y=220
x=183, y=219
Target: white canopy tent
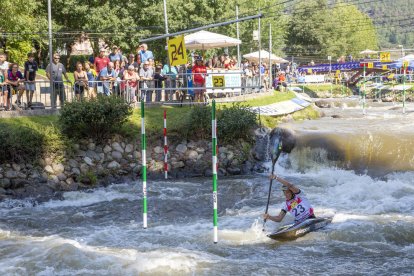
x=368, y=52
x=264, y=55
x=204, y=40
x=407, y=58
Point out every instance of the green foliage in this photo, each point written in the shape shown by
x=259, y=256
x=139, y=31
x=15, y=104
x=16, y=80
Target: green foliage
x=96, y=118
x=198, y=122
x=71, y=66
x=18, y=50
x=20, y=143
x=316, y=30
x=235, y=122
x=89, y=178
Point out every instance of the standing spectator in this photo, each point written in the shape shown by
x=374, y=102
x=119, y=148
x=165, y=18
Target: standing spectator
x=145, y=54
x=118, y=75
x=131, y=61
x=158, y=79
x=107, y=77
x=199, y=79
x=101, y=61
x=3, y=88
x=213, y=63
x=114, y=55
x=30, y=68
x=170, y=73
x=4, y=65
x=131, y=78
x=81, y=81
x=91, y=75
x=54, y=72
x=146, y=74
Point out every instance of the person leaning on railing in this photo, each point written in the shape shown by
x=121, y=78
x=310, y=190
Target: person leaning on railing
x=15, y=80
x=131, y=78
x=91, y=75
x=81, y=81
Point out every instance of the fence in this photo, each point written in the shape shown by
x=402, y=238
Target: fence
x=170, y=87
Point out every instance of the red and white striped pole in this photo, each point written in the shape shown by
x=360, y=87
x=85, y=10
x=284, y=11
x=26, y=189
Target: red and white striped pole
x=165, y=146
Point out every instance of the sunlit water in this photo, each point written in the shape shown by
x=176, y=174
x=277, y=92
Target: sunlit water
x=100, y=232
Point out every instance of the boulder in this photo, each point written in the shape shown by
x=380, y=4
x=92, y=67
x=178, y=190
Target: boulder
x=84, y=168
x=107, y=149
x=62, y=176
x=58, y=168
x=88, y=161
x=234, y=171
x=76, y=171
x=179, y=164
x=181, y=148
x=5, y=183
x=117, y=147
x=192, y=154
x=159, y=150
x=68, y=185
x=11, y=174
x=73, y=163
x=113, y=165
x=116, y=155
x=16, y=167
x=200, y=150
x=129, y=148
x=91, y=146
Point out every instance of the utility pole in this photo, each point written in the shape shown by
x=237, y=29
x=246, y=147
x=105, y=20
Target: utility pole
x=260, y=56
x=270, y=55
x=238, y=37
x=49, y=18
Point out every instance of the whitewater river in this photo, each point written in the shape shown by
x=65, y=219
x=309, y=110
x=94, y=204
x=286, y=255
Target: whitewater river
x=100, y=232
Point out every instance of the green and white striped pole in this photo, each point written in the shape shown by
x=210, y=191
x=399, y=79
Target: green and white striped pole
x=144, y=166
x=214, y=157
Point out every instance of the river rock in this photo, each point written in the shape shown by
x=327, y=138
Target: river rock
x=84, y=168
x=136, y=154
x=18, y=183
x=116, y=155
x=137, y=169
x=234, y=171
x=181, y=148
x=88, y=161
x=5, y=183
x=179, y=164
x=113, y=165
x=21, y=175
x=58, y=168
x=191, y=145
x=68, y=185
x=101, y=156
x=61, y=176
x=16, y=167
x=116, y=146
x=92, y=155
x=76, y=171
x=91, y=146
x=48, y=161
x=2, y=191
x=11, y=174
x=129, y=148
x=223, y=150
x=200, y=150
x=107, y=149
x=34, y=174
x=73, y=163
x=192, y=154
x=158, y=150
x=81, y=153
x=230, y=155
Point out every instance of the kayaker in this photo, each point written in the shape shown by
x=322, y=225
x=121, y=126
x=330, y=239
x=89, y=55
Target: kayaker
x=296, y=203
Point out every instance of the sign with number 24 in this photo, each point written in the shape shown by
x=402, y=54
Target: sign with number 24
x=176, y=51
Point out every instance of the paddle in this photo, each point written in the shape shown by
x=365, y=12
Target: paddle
x=274, y=160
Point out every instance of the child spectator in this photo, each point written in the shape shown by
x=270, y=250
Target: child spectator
x=30, y=68
x=91, y=75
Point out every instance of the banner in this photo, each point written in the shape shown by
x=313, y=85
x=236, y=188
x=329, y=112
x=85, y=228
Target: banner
x=227, y=80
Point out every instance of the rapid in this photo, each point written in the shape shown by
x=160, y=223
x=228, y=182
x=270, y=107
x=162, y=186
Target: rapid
x=99, y=232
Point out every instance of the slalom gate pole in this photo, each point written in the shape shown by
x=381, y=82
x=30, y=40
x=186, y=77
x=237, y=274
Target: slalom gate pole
x=404, y=68
x=363, y=93
x=214, y=164
x=144, y=167
x=165, y=146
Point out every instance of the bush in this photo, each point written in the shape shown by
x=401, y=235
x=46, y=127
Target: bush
x=98, y=118
x=72, y=60
x=198, y=122
x=20, y=144
x=235, y=122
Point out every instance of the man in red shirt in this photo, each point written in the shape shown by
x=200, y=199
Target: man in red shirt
x=199, y=71
x=101, y=61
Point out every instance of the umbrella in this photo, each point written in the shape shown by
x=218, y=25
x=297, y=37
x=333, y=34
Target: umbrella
x=407, y=58
x=368, y=52
x=265, y=56
x=203, y=40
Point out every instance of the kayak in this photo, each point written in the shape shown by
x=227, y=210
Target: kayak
x=293, y=231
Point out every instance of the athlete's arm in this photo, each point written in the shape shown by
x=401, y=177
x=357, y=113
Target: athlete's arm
x=277, y=218
x=286, y=183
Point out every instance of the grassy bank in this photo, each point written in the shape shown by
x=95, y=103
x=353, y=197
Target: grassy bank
x=326, y=90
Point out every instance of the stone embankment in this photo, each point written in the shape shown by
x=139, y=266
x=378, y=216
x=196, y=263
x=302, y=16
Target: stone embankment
x=90, y=165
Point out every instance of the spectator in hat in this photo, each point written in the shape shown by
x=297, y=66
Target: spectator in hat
x=101, y=61
x=54, y=72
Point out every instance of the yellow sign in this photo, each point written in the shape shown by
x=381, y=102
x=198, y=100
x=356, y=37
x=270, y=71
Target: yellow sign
x=176, y=51
x=309, y=71
x=405, y=64
x=337, y=73
x=218, y=81
x=370, y=65
x=385, y=57
x=384, y=67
